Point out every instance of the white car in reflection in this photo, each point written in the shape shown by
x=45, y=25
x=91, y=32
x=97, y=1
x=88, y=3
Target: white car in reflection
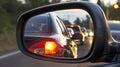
x=46, y=35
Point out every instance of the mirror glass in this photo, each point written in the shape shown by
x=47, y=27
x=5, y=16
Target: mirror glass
x=66, y=34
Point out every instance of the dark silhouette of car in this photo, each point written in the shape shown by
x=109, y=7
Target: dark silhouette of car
x=46, y=34
x=84, y=30
x=78, y=37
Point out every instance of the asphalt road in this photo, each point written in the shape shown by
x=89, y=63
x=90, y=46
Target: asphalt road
x=20, y=60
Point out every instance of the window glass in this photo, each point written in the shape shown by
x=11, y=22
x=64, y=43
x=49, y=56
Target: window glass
x=38, y=24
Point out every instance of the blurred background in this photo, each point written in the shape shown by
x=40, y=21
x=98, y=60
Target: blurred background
x=11, y=9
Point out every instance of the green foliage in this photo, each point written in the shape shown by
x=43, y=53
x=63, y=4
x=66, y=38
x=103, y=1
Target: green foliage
x=83, y=23
x=7, y=41
x=38, y=3
x=9, y=12
x=78, y=22
x=87, y=22
x=55, y=1
x=66, y=22
x=110, y=12
x=114, y=14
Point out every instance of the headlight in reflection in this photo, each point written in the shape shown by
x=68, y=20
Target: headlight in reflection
x=91, y=34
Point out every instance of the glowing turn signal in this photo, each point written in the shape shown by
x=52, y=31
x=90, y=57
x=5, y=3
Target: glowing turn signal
x=50, y=47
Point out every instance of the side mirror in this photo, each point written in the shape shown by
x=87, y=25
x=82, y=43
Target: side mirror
x=45, y=39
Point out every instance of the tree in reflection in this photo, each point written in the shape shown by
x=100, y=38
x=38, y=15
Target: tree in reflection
x=66, y=22
x=78, y=22
x=86, y=22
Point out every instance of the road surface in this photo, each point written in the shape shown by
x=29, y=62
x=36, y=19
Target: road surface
x=17, y=59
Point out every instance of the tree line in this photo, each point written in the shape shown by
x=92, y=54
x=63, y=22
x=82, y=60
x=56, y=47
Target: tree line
x=11, y=9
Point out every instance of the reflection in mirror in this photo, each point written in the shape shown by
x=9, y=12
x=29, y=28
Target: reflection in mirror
x=66, y=34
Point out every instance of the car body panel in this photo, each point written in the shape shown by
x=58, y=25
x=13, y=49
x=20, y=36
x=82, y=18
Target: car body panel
x=115, y=29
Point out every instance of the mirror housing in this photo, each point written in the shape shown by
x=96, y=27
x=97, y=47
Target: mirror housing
x=101, y=32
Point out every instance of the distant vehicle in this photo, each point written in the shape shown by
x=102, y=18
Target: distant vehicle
x=78, y=36
x=70, y=30
x=84, y=31
x=52, y=36
x=115, y=29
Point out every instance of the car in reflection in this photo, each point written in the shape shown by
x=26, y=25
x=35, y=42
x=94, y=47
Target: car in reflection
x=78, y=36
x=84, y=30
x=115, y=29
x=46, y=35
x=70, y=31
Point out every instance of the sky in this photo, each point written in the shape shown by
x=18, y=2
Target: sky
x=72, y=14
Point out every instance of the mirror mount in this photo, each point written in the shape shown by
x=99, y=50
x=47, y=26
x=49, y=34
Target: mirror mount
x=112, y=52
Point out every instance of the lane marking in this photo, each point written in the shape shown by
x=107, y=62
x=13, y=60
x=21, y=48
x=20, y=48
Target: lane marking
x=9, y=54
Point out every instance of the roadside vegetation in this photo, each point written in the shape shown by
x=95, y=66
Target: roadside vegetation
x=9, y=12
x=7, y=41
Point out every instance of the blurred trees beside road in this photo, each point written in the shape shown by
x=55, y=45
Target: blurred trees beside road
x=11, y=9
x=110, y=11
x=9, y=12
